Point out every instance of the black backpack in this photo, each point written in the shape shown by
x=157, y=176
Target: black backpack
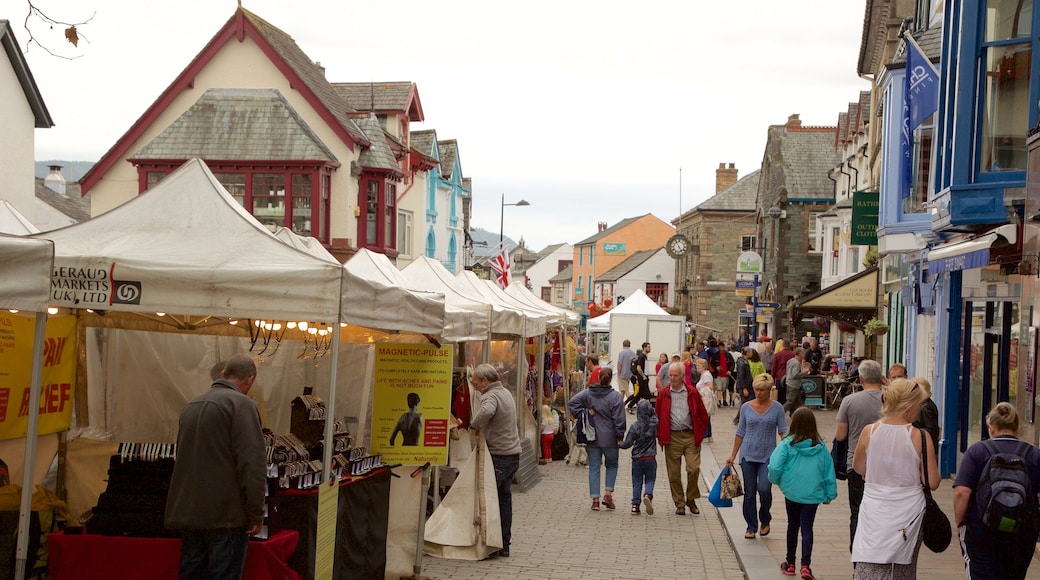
x=1003, y=494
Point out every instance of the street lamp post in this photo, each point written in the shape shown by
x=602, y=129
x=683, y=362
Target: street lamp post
x=502, y=218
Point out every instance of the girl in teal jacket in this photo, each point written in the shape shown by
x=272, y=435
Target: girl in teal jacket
x=801, y=466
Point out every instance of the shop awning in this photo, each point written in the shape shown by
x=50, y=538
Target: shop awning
x=852, y=301
x=968, y=254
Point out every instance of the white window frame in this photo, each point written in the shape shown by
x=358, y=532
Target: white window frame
x=404, y=232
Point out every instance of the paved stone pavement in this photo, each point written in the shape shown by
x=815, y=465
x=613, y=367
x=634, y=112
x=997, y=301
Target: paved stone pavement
x=556, y=535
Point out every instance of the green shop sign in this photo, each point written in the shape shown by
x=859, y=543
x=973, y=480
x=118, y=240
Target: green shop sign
x=865, y=212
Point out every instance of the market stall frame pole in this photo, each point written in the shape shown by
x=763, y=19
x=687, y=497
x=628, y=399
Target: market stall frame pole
x=22, y=549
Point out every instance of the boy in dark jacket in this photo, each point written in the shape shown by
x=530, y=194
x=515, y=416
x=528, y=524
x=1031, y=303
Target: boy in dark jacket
x=642, y=438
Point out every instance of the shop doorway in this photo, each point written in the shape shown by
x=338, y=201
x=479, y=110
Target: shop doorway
x=989, y=365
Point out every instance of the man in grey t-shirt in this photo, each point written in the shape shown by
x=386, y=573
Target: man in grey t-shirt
x=624, y=367
x=856, y=412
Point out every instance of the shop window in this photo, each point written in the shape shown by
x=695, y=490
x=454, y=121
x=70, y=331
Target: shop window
x=658, y=293
x=389, y=215
x=302, y=193
x=404, y=232
x=924, y=136
x=1005, y=106
x=747, y=243
x=371, y=212
x=545, y=293
x=154, y=177
x=814, y=232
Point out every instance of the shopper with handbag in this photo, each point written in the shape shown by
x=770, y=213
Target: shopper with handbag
x=801, y=466
x=761, y=419
x=888, y=455
x=606, y=410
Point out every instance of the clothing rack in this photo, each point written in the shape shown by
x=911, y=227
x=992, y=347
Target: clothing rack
x=131, y=451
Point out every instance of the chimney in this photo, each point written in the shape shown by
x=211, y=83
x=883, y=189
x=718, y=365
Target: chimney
x=725, y=176
x=55, y=181
x=794, y=121
x=601, y=227
x=317, y=64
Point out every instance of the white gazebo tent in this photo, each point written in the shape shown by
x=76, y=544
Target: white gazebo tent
x=465, y=319
x=187, y=247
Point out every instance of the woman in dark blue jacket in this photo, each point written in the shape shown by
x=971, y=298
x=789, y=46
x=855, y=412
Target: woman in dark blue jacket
x=606, y=409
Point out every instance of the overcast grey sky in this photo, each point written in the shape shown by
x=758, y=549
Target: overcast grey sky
x=586, y=109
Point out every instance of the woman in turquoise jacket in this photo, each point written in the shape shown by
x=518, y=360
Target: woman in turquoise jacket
x=801, y=466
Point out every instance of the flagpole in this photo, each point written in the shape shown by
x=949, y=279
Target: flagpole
x=909, y=38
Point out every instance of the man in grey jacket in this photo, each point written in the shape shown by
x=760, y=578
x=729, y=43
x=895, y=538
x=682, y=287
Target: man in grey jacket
x=497, y=419
x=216, y=497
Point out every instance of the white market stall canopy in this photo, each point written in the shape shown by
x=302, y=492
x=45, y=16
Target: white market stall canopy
x=186, y=246
x=13, y=222
x=25, y=273
x=522, y=294
x=466, y=318
x=377, y=295
x=505, y=319
x=637, y=303
x=527, y=323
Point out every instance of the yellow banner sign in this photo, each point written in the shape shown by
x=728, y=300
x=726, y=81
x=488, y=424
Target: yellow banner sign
x=412, y=403
x=59, y=374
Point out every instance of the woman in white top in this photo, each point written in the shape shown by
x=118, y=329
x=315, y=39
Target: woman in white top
x=705, y=386
x=888, y=455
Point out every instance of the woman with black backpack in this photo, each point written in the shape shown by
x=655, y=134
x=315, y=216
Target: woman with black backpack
x=994, y=500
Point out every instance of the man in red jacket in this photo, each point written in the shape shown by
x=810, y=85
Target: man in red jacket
x=680, y=430
x=779, y=370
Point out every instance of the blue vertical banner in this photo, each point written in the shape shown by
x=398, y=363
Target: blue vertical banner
x=920, y=100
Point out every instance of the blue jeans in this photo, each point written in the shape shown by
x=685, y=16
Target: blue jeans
x=707, y=432
x=598, y=455
x=505, y=469
x=644, y=471
x=756, y=482
x=220, y=552
x=800, y=516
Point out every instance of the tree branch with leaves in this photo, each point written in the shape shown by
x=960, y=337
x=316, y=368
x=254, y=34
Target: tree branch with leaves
x=72, y=31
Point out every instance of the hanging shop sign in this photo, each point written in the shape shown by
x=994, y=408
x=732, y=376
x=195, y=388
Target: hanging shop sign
x=865, y=212
x=412, y=403
x=59, y=374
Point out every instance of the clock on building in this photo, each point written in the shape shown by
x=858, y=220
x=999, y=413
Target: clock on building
x=677, y=246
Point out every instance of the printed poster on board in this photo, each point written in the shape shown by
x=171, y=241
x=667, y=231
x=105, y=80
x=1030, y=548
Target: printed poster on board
x=59, y=374
x=412, y=403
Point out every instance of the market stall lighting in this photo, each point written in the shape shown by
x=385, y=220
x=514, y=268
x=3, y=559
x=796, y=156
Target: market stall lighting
x=232, y=322
x=52, y=310
x=13, y=311
x=290, y=325
x=160, y=314
x=303, y=326
x=263, y=331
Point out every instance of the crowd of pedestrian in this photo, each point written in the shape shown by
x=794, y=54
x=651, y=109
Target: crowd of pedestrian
x=890, y=426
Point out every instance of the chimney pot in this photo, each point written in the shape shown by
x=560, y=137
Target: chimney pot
x=725, y=177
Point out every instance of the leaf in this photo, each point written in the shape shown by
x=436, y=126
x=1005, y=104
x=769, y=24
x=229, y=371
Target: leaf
x=71, y=36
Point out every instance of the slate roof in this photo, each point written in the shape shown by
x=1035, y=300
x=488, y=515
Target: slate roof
x=627, y=265
x=25, y=77
x=547, y=250
x=565, y=275
x=72, y=204
x=618, y=226
x=309, y=72
x=422, y=141
x=808, y=157
x=741, y=196
x=930, y=42
x=449, y=151
x=378, y=154
x=387, y=96
x=238, y=124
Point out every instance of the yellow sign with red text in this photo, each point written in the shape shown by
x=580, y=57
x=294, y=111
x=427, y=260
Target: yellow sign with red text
x=59, y=374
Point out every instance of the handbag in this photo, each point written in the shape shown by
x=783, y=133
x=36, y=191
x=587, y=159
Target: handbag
x=840, y=457
x=935, y=525
x=731, y=486
x=715, y=495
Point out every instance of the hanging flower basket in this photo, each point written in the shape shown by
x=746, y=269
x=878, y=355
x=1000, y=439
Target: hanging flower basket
x=875, y=327
x=822, y=323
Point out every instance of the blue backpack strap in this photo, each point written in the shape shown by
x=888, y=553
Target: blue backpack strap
x=989, y=444
x=1021, y=449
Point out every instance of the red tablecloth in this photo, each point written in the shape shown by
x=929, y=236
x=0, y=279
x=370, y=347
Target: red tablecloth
x=94, y=557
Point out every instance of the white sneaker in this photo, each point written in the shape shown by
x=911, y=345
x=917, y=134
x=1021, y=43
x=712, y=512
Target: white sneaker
x=648, y=505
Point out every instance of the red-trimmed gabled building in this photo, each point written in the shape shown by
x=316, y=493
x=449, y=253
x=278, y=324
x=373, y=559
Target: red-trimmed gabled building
x=287, y=143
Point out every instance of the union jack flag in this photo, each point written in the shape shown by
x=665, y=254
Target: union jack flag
x=500, y=265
